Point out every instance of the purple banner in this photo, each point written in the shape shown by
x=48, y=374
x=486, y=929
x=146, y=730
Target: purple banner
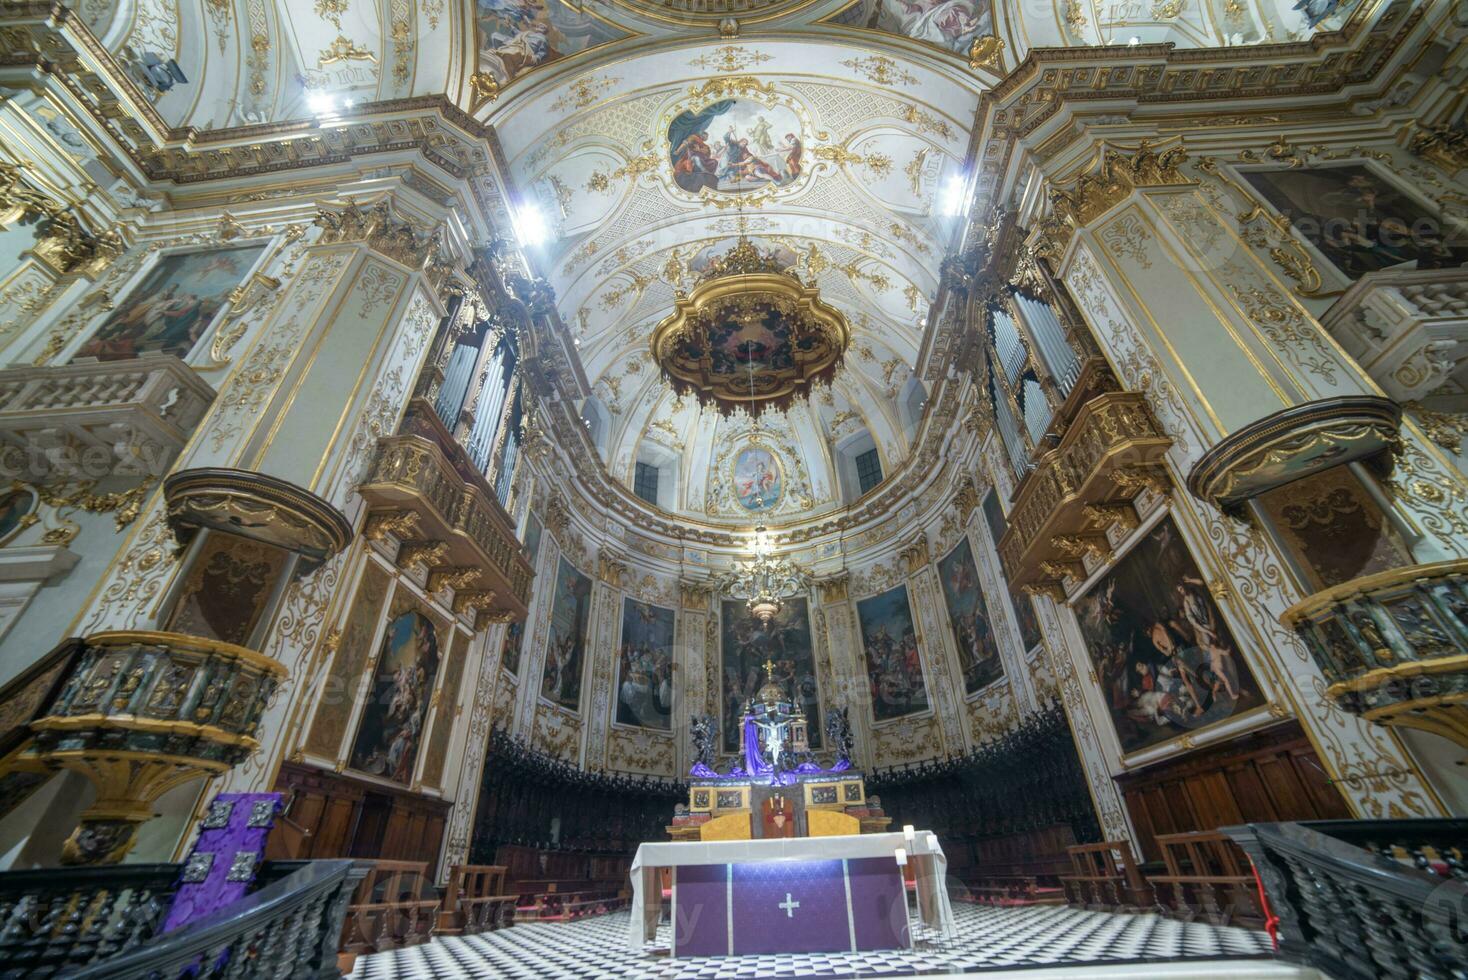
x=225, y=858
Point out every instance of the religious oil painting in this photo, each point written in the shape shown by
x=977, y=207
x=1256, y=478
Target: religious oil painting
x=950, y=24
x=515, y=632
x=1359, y=220
x=747, y=646
x=391, y=729
x=978, y=653
x=645, y=666
x=15, y=506
x=173, y=306
x=565, y=651
x=736, y=145
x=518, y=35
x=894, y=667
x=1167, y=662
x=757, y=479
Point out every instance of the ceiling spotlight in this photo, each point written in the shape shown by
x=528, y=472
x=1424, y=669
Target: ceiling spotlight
x=321, y=103
x=530, y=226
x=1134, y=40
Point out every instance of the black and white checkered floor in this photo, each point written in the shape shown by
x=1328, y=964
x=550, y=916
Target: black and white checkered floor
x=988, y=939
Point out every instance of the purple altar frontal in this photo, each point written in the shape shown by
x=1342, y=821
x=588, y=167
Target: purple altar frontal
x=843, y=905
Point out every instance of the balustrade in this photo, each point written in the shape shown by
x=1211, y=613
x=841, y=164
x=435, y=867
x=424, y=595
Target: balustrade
x=93, y=419
x=1362, y=900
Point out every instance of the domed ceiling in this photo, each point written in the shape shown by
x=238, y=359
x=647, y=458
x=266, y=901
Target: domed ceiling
x=649, y=136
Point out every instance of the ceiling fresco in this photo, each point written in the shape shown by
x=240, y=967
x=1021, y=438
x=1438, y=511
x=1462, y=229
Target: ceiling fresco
x=649, y=135
x=838, y=159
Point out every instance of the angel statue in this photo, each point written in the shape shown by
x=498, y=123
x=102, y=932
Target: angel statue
x=704, y=732
x=838, y=736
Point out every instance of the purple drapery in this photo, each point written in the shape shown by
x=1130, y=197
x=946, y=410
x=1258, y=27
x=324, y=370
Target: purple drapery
x=753, y=761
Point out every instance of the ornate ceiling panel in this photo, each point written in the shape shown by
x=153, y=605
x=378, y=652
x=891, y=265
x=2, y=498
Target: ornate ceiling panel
x=831, y=155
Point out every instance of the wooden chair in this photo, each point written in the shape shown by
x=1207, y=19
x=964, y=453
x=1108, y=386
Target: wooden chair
x=476, y=901
x=1106, y=877
x=394, y=905
x=1207, y=877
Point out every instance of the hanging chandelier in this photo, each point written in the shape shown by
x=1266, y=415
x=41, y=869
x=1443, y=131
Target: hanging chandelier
x=750, y=335
x=765, y=582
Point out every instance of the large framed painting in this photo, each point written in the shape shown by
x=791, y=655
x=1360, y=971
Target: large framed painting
x=1358, y=219
x=333, y=710
x=518, y=35
x=746, y=646
x=560, y=681
x=1166, y=661
x=752, y=145
x=950, y=24
x=515, y=633
x=174, y=304
x=645, y=666
x=758, y=480
x=391, y=728
x=894, y=666
x=978, y=653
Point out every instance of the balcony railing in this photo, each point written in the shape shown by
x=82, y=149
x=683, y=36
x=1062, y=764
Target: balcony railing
x=1111, y=448
x=1394, y=646
x=1365, y=899
x=100, y=418
x=447, y=520
x=1407, y=328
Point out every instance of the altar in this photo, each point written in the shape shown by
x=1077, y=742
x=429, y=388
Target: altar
x=776, y=787
x=790, y=895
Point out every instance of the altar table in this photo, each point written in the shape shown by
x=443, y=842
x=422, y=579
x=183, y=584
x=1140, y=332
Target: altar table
x=789, y=895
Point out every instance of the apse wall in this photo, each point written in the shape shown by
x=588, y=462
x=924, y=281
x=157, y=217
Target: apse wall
x=907, y=622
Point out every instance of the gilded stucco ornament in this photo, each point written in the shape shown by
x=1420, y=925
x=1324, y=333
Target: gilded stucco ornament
x=256, y=506
x=750, y=335
x=1293, y=443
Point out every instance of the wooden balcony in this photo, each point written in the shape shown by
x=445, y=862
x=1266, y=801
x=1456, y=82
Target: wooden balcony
x=1394, y=646
x=447, y=520
x=1110, y=449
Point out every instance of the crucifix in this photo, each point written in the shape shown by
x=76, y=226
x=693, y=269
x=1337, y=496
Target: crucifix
x=789, y=905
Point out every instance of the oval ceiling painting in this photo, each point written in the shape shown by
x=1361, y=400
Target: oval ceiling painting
x=757, y=481
x=736, y=145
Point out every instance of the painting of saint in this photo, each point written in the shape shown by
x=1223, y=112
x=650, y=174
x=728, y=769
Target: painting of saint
x=978, y=653
x=565, y=651
x=950, y=24
x=1359, y=220
x=14, y=507
x=173, y=306
x=392, y=723
x=515, y=633
x=757, y=482
x=894, y=666
x=1166, y=660
x=518, y=35
x=645, y=666
x=746, y=646
x=752, y=146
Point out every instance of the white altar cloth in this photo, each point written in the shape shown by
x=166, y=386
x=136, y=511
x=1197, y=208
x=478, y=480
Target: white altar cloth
x=930, y=868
